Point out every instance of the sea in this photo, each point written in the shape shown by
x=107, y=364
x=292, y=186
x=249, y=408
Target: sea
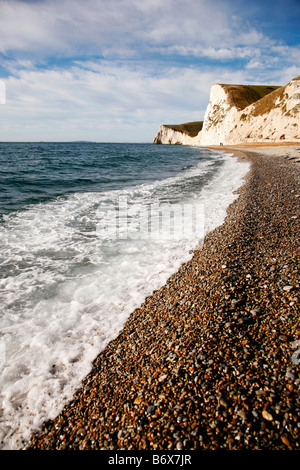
x=87, y=232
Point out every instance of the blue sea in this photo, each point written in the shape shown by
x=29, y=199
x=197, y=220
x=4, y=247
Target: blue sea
x=87, y=231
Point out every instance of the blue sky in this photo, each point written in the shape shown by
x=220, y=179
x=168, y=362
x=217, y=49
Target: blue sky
x=114, y=70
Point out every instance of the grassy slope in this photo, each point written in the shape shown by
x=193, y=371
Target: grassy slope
x=242, y=96
x=190, y=128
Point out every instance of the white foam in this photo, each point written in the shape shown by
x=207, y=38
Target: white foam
x=67, y=292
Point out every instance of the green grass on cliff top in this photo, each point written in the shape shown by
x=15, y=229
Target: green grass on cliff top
x=242, y=96
x=190, y=128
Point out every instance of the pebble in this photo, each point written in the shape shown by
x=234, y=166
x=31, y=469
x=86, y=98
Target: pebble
x=151, y=409
x=200, y=364
x=266, y=415
x=285, y=440
x=162, y=378
x=179, y=445
x=290, y=375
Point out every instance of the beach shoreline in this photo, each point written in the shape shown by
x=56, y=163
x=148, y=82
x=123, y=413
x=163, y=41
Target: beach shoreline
x=206, y=361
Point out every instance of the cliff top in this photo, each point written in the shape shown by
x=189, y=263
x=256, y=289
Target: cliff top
x=190, y=128
x=242, y=96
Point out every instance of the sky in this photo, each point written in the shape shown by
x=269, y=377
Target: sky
x=115, y=70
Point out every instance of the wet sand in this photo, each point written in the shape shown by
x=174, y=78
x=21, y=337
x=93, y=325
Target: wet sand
x=209, y=361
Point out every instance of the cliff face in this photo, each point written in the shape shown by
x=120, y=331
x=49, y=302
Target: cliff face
x=238, y=114
x=219, y=115
x=168, y=135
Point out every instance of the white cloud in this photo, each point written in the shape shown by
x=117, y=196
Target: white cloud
x=218, y=53
x=127, y=29
x=99, y=100
x=255, y=64
x=111, y=26
x=27, y=26
x=72, y=26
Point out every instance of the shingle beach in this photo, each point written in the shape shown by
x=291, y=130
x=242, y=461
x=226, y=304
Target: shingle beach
x=210, y=360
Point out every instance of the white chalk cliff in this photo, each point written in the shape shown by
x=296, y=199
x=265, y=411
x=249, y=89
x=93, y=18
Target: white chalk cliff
x=242, y=113
x=167, y=135
x=184, y=134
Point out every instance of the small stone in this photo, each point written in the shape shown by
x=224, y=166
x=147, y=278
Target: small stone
x=162, y=378
x=179, y=445
x=266, y=415
x=285, y=440
x=290, y=375
x=150, y=409
x=255, y=311
x=287, y=288
x=242, y=414
x=200, y=357
x=283, y=338
x=223, y=402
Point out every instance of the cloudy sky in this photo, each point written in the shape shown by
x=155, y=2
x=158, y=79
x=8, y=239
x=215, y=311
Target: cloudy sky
x=114, y=70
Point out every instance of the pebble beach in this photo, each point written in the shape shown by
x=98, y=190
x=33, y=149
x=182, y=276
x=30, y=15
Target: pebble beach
x=211, y=360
